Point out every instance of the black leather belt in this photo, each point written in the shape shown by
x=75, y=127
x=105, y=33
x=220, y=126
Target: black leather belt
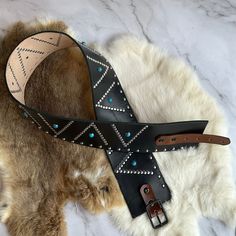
x=128, y=144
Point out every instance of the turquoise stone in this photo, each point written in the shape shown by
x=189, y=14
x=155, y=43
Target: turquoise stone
x=99, y=69
x=55, y=126
x=110, y=100
x=134, y=163
x=91, y=135
x=127, y=134
x=25, y=115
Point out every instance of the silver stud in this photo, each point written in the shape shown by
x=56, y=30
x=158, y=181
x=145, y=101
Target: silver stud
x=39, y=127
x=150, y=157
x=182, y=147
x=124, y=171
x=109, y=153
x=46, y=132
x=81, y=143
x=131, y=115
x=128, y=107
x=90, y=144
x=100, y=146
x=173, y=148
x=159, y=176
x=137, y=150
x=55, y=136
x=164, y=150
x=73, y=141
x=128, y=149
x=64, y=139
x=152, y=173
x=121, y=91
x=147, y=150
x=124, y=99
x=163, y=185
x=156, y=150
x=109, y=148
x=154, y=167
x=118, y=149
x=32, y=122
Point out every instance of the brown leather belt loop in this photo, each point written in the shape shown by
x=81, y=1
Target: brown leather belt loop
x=191, y=138
x=155, y=211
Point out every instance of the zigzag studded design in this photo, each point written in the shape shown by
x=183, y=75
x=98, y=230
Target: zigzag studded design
x=98, y=104
x=130, y=141
x=122, y=167
x=128, y=144
x=104, y=73
x=92, y=125
x=28, y=114
x=56, y=133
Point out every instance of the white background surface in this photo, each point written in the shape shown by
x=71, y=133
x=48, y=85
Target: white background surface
x=203, y=32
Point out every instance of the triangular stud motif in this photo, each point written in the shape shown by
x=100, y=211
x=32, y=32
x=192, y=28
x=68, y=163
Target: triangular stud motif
x=83, y=44
x=54, y=41
x=54, y=129
x=27, y=114
x=104, y=71
x=105, y=95
x=84, y=131
x=126, y=144
x=124, y=166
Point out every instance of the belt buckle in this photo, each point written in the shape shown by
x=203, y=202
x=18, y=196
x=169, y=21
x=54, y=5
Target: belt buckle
x=154, y=208
x=156, y=214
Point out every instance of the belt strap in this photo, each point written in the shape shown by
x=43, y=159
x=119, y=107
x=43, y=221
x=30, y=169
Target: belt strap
x=191, y=138
x=128, y=144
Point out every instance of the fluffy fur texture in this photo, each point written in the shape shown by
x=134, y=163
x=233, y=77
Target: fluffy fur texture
x=163, y=89
x=40, y=173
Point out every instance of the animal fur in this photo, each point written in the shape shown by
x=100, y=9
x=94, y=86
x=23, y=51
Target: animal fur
x=163, y=89
x=39, y=174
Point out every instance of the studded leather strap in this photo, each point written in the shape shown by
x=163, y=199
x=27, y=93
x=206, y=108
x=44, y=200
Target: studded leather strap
x=128, y=144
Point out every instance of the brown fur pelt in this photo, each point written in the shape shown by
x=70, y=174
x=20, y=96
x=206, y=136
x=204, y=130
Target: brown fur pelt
x=38, y=173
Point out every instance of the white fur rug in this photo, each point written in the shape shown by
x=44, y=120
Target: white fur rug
x=163, y=89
